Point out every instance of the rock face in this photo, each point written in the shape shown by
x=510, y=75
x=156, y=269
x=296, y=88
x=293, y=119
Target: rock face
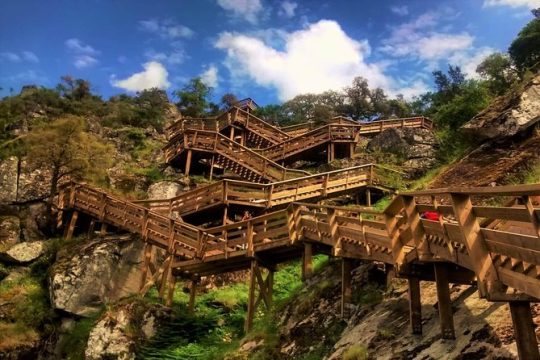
x=115, y=336
x=34, y=184
x=509, y=114
x=164, y=190
x=24, y=252
x=95, y=273
x=8, y=179
x=10, y=229
x=416, y=147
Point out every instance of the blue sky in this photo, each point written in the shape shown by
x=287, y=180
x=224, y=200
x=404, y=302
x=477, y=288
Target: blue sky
x=270, y=50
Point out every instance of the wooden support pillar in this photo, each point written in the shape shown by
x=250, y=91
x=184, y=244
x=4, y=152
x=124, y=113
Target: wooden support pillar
x=368, y=197
x=524, y=334
x=71, y=226
x=415, y=305
x=270, y=286
x=231, y=134
x=103, y=229
x=170, y=292
x=351, y=149
x=251, y=297
x=212, y=167
x=446, y=316
x=346, y=292
x=192, y=295
x=330, y=152
x=91, y=228
x=147, y=260
x=307, y=262
x=188, y=162
x=390, y=272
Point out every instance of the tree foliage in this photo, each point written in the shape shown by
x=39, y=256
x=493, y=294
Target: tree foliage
x=525, y=49
x=498, y=70
x=194, y=99
x=67, y=151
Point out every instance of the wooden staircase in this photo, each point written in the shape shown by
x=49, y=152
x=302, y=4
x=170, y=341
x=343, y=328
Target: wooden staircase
x=228, y=154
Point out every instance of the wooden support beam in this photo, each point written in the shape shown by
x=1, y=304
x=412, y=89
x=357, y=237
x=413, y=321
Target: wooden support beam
x=524, y=334
x=251, y=297
x=192, y=295
x=71, y=226
x=91, y=228
x=146, y=265
x=415, y=305
x=446, y=316
x=188, y=162
x=346, y=292
x=330, y=152
x=351, y=149
x=212, y=167
x=170, y=292
x=307, y=262
x=368, y=197
x=103, y=229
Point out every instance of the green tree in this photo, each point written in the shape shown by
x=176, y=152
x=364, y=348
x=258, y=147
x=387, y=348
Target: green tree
x=498, y=71
x=194, y=99
x=67, y=151
x=525, y=49
x=228, y=100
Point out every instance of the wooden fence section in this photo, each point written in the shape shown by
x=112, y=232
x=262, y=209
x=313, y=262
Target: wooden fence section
x=231, y=155
x=496, y=245
x=269, y=195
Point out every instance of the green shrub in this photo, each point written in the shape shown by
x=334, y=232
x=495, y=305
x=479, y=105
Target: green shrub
x=356, y=352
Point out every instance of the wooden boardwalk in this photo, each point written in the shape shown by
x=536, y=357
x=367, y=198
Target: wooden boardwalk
x=251, y=148
x=461, y=247
x=488, y=237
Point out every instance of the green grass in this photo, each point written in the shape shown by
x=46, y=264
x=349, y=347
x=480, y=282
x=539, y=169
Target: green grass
x=73, y=344
x=216, y=327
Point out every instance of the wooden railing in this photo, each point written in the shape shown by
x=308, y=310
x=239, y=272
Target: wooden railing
x=268, y=195
x=214, y=142
x=504, y=258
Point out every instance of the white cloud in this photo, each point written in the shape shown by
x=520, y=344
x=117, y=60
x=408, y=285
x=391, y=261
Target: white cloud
x=418, y=39
x=174, y=57
x=166, y=29
x=84, y=61
x=315, y=59
x=531, y=4
x=469, y=61
x=154, y=75
x=84, y=55
x=30, y=56
x=246, y=9
x=23, y=56
x=10, y=56
x=77, y=46
x=287, y=9
x=400, y=10
x=210, y=76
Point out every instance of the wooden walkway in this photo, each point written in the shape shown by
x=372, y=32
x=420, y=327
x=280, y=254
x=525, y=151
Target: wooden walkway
x=277, y=194
x=251, y=148
x=463, y=246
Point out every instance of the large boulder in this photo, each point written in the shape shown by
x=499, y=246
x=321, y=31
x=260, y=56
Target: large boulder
x=10, y=232
x=33, y=221
x=94, y=273
x=508, y=114
x=164, y=190
x=415, y=147
x=115, y=336
x=8, y=179
x=24, y=252
x=34, y=183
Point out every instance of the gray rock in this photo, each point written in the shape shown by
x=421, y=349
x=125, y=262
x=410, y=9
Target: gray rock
x=8, y=179
x=34, y=184
x=164, y=190
x=34, y=221
x=10, y=231
x=95, y=273
x=24, y=252
x=115, y=337
x=509, y=114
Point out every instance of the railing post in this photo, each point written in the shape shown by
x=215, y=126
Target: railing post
x=488, y=282
x=346, y=291
x=416, y=228
x=524, y=333
x=249, y=238
x=446, y=316
x=415, y=305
